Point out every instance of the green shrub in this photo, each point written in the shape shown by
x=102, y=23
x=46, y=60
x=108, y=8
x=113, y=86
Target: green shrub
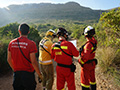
x=3, y=55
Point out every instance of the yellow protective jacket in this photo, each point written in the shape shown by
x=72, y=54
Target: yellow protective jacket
x=45, y=57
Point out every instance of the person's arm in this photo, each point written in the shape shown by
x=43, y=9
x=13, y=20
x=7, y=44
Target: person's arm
x=87, y=51
x=9, y=60
x=35, y=64
x=86, y=54
x=50, y=47
x=52, y=54
x=74, y=50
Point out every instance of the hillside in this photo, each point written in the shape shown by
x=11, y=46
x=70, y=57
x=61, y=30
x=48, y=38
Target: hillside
x=43, y=11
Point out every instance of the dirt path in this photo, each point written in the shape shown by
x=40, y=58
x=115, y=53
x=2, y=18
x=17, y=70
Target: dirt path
x=102, y=83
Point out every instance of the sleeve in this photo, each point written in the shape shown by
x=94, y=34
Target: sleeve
x=33, y=48
x=9, y=49
x=52, y=52
x=86, y=54
x=74, y=51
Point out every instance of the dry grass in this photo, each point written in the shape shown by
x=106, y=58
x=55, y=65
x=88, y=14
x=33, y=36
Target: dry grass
x=105, y=56
x=108, y=63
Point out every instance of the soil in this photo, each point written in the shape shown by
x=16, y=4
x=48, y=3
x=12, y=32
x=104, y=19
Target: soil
x=102, y=82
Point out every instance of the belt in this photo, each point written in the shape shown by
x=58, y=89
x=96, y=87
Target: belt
x=48, y=61
x=89, y=61
x=63, y=65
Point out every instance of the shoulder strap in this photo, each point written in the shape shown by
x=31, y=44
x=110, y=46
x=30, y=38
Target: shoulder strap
x=94, y=45
x=81, y=49
x=44, y=49
x=42, y=43
x=22, y=52
x=58, y=45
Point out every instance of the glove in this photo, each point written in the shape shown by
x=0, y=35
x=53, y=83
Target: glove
x=40, y=78
x=81, y=49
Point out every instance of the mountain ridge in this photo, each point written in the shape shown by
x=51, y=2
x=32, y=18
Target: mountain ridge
x=67, y=11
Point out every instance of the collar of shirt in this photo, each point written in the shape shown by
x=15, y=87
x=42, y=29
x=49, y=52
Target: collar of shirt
x=21, y=37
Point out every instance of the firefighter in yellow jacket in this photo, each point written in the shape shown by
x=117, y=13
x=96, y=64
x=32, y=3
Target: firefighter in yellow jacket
x=45, y=60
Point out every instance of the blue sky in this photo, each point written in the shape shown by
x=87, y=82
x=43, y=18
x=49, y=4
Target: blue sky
x=93, y=4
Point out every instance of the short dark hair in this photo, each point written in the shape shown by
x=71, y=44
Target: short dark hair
x=24, y=28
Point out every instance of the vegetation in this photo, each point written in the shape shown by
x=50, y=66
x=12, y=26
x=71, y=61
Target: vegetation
x=4, y=67
x=107, y=35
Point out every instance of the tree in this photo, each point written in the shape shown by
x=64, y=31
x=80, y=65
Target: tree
x=111, y=23
x=10, y=30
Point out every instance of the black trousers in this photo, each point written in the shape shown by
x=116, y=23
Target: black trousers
x=24, y=80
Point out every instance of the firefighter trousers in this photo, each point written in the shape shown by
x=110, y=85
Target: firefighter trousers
x=48, y=76
x=87, y=77
x=65, y=75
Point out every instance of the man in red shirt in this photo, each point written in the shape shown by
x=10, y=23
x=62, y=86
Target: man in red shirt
x=63, y=57
x=21, y=58
x=87, y=60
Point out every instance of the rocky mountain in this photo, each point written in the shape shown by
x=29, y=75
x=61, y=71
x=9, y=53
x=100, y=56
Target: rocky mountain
x=41, y=11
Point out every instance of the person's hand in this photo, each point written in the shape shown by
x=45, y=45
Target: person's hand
x=40, y=78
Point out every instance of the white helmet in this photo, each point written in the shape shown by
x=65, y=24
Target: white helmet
x=89, y=30
x=50, y=32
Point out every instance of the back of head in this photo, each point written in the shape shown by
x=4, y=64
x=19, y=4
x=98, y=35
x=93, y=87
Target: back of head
x=89, y=31
x=62, y=32
x=24, y=28
x=50, y=33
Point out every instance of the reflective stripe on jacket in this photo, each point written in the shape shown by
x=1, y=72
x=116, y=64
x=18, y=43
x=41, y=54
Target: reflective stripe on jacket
x=44, y=56
x=86, y=53
x=60, y=57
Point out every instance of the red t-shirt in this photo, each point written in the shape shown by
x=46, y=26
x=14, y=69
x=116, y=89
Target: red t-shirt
x=18, y=60
x=61, y=57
